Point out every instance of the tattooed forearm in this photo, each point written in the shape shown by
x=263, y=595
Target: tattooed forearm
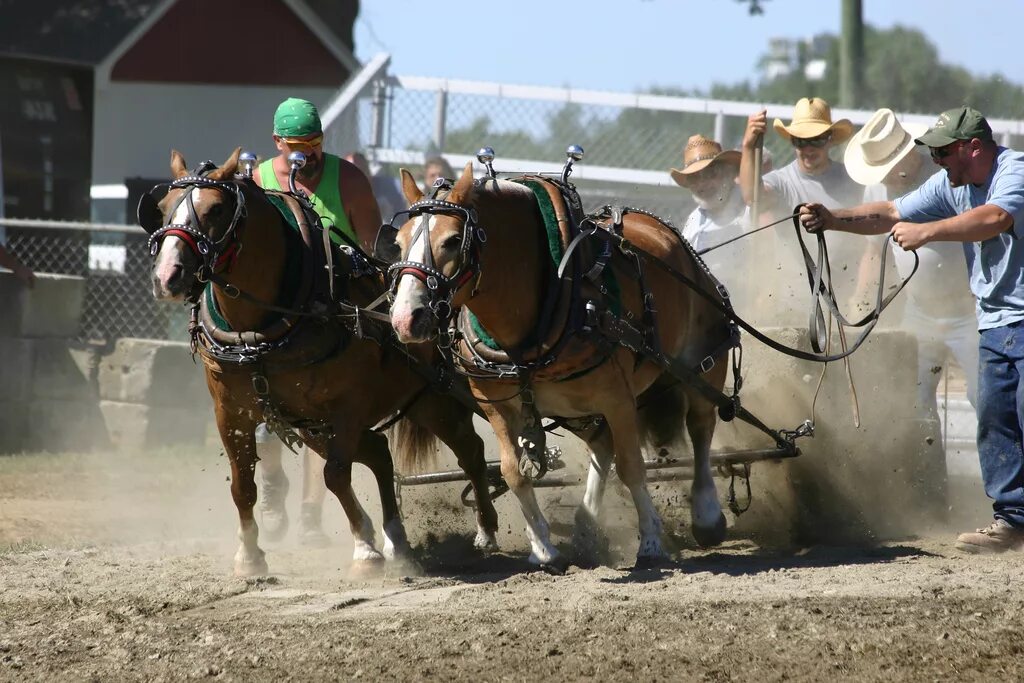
x=854, y=219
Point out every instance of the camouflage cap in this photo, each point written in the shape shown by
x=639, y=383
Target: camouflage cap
x=962, y=123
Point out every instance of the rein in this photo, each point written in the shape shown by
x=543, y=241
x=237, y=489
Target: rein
x=821, y=288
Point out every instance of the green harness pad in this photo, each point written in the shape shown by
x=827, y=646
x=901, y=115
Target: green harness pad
x=291, y=279
x=554, y=240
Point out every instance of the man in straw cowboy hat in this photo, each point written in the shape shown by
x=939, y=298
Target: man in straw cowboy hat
x=978, y=201
x=709, y=173
x=812, y=176
x=882, y=156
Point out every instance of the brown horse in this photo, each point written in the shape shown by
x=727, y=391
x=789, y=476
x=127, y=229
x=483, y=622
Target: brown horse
x=330, y=380
x=484, y=248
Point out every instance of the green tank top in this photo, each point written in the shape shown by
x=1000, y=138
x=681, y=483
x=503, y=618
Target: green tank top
x=326, y=200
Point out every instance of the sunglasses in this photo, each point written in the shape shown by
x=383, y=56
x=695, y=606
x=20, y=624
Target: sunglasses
x=943, y=152
x=819, y=141
x=298, y=144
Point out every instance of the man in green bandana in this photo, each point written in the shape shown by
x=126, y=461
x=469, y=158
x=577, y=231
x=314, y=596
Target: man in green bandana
x=339, y=191
x=343, y=198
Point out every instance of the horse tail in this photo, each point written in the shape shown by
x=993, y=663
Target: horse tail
x=661, y=411
x=414, y=446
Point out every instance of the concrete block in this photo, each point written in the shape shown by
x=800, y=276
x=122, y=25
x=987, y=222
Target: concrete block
x=66, y=425
x=13, y=426
x=151, y=372
x=63, y=369
x=52, y=308
x=15, y=368
x=133, y=426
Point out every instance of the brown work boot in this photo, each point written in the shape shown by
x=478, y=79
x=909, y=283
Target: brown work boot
x=997, y=537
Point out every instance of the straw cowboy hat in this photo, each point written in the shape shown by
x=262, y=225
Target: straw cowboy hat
x=813, y=117
x=877, y=147
x=701, y=152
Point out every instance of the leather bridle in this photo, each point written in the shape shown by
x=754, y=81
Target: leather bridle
x=214, y=255
x=442, y=289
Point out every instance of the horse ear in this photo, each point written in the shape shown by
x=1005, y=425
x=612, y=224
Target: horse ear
x=228, y=168
x=178, y=168
x=409, y=187
x=463, y=186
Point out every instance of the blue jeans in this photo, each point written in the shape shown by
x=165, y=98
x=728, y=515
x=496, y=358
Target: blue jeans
x=1001, y=419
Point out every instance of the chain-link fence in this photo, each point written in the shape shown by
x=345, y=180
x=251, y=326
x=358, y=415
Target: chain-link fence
x=115, y=262
x=631, y=140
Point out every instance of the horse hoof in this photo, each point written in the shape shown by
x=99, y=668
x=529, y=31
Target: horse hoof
x=713, y=535
x=485, y=542
x=251, y=568
x=644, y=562
x=273, y=525
x=368, y=568
x=557, y=566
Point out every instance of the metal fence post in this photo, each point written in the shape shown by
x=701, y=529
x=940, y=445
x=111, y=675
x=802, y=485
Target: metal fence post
x=720, y=129
x=440, y=119
x=379, y=111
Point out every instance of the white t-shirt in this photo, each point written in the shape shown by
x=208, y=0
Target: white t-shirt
x=726, y=263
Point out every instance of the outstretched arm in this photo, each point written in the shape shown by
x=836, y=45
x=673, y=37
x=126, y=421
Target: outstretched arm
x=977, y=225
x=875, y=218
x=8, y=260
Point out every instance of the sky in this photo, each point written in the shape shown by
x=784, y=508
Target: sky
x=632, y=45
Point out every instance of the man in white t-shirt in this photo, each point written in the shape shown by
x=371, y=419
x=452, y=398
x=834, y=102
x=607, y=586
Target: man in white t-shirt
x=940, y=307
x=709, y=173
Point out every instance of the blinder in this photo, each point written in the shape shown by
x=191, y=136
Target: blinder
x=149, y=214
x=213, y=253
x=385, y=246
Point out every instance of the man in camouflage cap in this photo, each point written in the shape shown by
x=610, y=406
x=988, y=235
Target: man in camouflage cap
x=343, y=198
x=339, y=191
x=979, y=201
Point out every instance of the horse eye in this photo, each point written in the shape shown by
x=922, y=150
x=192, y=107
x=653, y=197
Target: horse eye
x=216, y=209
x=452, y=242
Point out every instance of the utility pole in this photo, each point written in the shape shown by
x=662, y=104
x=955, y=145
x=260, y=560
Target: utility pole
x=851, y=55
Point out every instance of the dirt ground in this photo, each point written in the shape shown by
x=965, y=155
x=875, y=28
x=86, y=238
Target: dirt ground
x=118, y=567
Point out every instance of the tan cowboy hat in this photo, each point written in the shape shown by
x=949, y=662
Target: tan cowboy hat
x=813, y=117
x=877, y=147
x=699, y=153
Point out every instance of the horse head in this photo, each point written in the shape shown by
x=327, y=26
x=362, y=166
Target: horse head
x=440, y=252
x=193, y=229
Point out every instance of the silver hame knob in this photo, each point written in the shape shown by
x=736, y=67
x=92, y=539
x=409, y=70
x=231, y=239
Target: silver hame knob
x=574, y=152
x=485, y=155
x=247, y=160
x=297, y=159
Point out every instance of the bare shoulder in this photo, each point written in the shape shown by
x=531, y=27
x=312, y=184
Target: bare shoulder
x=351, y=180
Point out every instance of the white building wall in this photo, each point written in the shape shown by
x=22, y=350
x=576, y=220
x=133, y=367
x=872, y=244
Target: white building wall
x=137, y=124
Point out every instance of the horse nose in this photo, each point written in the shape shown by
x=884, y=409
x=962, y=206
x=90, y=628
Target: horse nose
x=168, y=277
x=410, y=323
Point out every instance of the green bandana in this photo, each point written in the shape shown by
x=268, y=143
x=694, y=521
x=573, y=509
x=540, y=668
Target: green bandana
x=296, y=118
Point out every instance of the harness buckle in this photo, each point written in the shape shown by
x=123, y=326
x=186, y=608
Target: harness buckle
x=260, y=385
x=707, y=364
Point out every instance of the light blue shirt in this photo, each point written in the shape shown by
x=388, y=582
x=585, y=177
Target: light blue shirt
x=995, y=266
